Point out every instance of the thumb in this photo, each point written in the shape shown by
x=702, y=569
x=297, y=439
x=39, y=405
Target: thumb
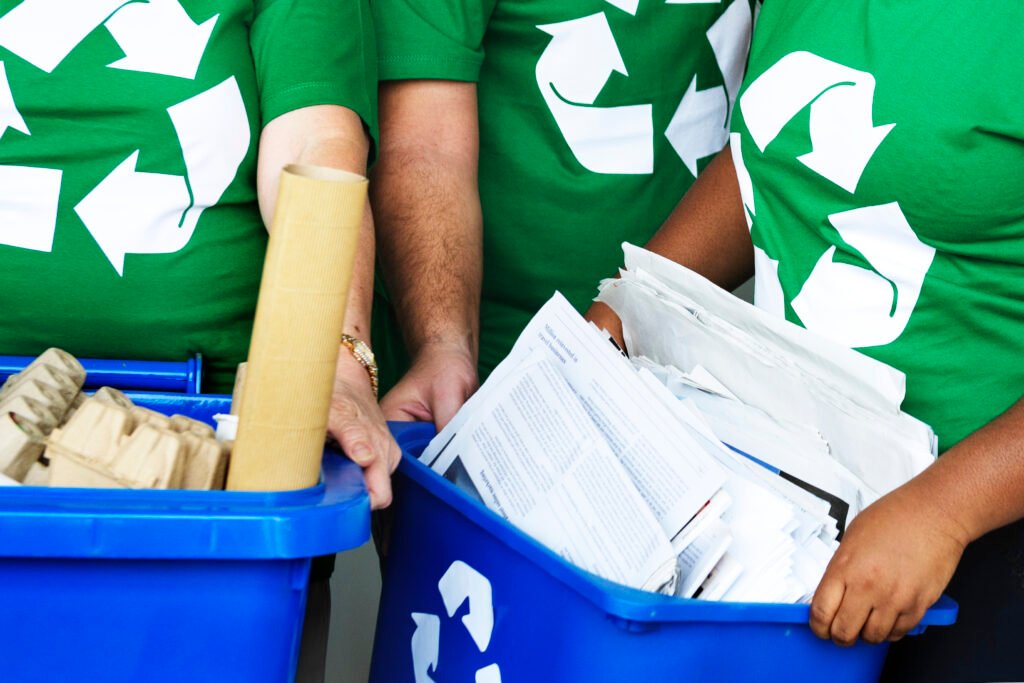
x=355, y=443
x=446, y=404
x=378, y=484
x=397, y=412
x=404, y=404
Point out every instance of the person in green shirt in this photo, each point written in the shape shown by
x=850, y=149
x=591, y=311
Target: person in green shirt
x=521, y=142
x=873, y=182
x=140, y=146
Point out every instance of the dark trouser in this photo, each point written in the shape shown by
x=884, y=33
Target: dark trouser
x=987, y=642
x=316, y=626
x=381, y=524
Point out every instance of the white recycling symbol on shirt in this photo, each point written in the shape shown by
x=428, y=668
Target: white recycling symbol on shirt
x=581, y=57
x=128, y=212
x=854, y=306
x=460, y=583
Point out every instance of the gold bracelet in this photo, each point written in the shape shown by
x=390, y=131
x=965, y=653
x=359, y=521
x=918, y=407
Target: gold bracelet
x=364, y=356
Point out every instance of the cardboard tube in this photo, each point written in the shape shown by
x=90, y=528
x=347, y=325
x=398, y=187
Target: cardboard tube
x=236, y=392
x=297, y=331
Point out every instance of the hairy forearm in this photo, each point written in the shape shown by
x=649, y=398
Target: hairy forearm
x=979, y=483
x=430, y=249
x=429, y=225
x=707, y=232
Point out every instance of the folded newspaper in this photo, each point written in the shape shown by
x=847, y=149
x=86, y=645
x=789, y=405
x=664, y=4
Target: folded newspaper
x=722, y=460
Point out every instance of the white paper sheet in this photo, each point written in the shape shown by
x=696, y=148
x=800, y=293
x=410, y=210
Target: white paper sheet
x=536, y=458
x=675, y=317
x=673, y=472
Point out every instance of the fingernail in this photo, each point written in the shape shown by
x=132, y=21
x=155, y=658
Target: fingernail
x=361, y=453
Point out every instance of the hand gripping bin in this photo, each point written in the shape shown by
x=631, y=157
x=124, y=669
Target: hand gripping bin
x=147, y=586
x=468, y=598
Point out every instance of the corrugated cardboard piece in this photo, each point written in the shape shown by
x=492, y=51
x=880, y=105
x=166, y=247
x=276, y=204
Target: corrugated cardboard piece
x=297, y=331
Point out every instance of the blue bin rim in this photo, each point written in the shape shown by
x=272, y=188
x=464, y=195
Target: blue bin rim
x=618, y=601
x=43, y=522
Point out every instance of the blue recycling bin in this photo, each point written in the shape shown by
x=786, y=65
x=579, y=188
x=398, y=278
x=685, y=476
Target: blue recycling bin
x=138, y=585
x=467, y=597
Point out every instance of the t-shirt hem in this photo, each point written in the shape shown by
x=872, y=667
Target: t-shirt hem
x=397, y=68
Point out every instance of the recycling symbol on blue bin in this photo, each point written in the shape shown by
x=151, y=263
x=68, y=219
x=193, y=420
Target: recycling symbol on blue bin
x=459, y=584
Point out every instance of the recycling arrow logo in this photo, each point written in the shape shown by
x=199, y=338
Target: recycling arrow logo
x=128, y=212
x=460, y=583
x=855, y=306
x=582, y=56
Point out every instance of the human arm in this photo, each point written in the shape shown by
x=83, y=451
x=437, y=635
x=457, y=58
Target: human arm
x=900, y=553
x=706, y=232
x=429, y=229
x=333, y=136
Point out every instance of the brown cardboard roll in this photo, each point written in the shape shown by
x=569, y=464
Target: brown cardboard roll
x=297, y=331
x=236, y=392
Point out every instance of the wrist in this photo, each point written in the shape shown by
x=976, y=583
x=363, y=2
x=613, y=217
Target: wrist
x=928, y=494
x=356, y=364
x=458, y=345
x=450, y=326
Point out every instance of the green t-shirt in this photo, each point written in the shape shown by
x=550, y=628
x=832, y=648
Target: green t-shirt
x=129, y=225
x=880, y=150
x=594, y=118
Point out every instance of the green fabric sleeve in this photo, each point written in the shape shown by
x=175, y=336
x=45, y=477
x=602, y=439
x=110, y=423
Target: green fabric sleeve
x=440, y=39
x=310, y=52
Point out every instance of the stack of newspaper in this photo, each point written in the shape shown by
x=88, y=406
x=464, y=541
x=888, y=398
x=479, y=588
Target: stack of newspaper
x=723, y=461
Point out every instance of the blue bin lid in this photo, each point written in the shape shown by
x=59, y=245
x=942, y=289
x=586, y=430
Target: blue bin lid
x=42, y=522
x=619, y=601
x=147, y=375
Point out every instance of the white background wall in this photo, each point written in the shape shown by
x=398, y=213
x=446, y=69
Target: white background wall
x=355, y=591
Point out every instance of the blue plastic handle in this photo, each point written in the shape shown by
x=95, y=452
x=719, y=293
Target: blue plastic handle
x=130, y=375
